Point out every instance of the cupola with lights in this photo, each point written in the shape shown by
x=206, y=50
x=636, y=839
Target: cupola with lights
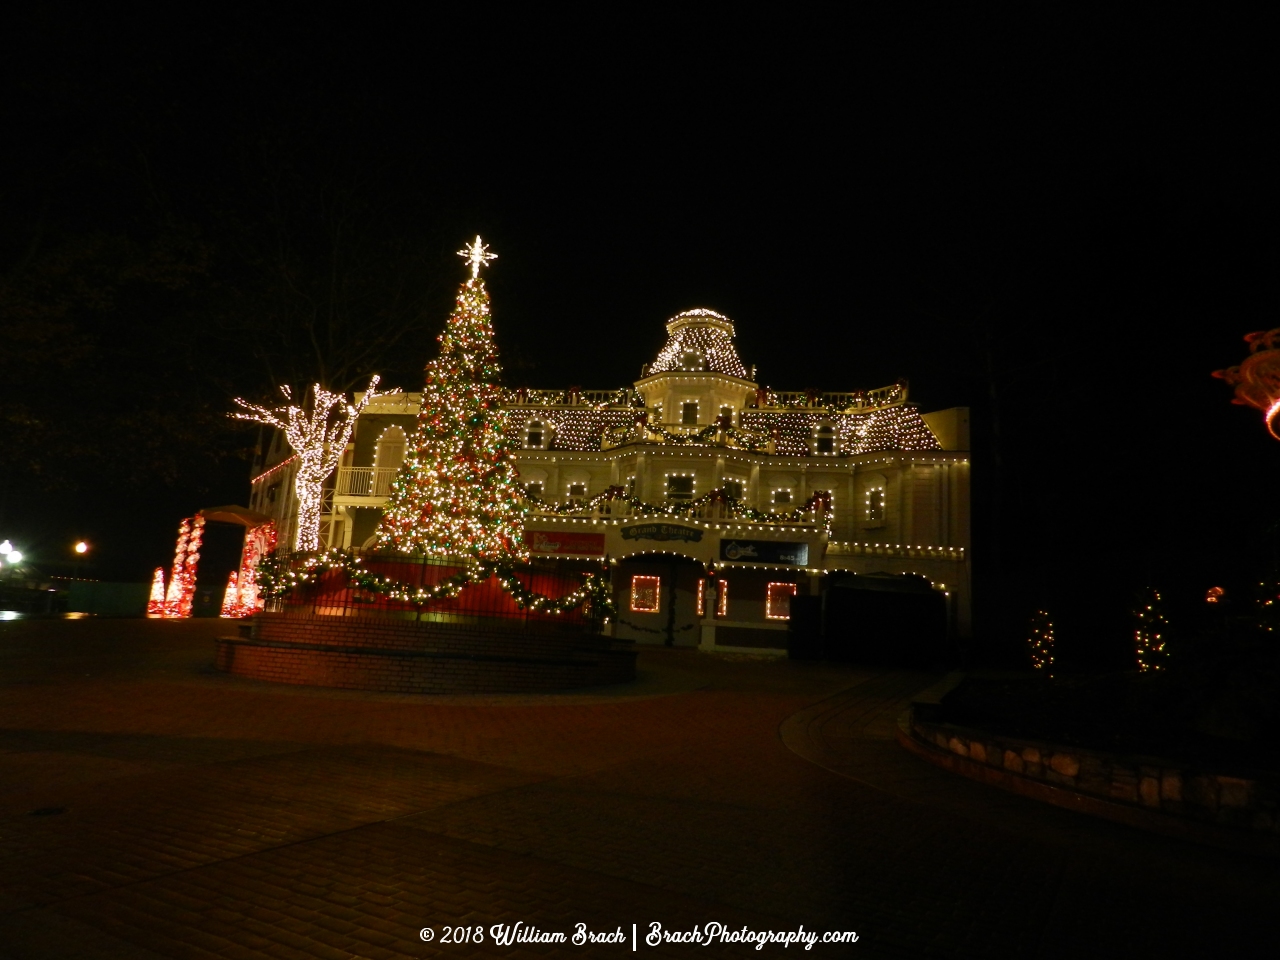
x=699, y=341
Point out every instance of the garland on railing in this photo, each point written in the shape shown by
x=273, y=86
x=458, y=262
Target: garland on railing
x=279, y=576
x=818, y=505
x=702, y=436
x=747, y=439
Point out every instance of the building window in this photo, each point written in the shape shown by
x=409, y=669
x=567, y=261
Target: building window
x=722, y=593
x=875, y=506
x=679, y=486
x=657, y=413
x=646, y=594
x=824, y=439
x=534, y=489
x=777, y=601
x=631, y=486
x=534, y=434
x=830, y=498
x=782, y=497
x=733, y=488
x=693, y=360
x=273, y=491
x=388, y=452
x=689, y=413
x=577, y=492
x=727, y=412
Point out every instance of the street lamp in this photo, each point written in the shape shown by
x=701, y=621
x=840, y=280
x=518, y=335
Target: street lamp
x=81, y=548
x=11, y=556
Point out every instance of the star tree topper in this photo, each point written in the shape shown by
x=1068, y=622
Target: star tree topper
x=477, y=255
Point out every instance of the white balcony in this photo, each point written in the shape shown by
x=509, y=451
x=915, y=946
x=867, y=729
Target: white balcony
x=371, y=482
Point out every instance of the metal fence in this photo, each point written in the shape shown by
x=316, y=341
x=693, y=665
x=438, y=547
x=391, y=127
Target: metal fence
x=477, y=604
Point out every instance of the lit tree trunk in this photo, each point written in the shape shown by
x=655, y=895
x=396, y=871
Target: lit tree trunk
x=319, y=443
x=310, y=495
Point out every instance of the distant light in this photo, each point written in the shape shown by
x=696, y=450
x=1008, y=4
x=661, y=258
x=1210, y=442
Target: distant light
x=1214, y=595
x=6, y=548
x=82, y=547
x=15, y=557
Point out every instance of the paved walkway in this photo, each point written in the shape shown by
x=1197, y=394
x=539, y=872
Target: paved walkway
x=150, y=807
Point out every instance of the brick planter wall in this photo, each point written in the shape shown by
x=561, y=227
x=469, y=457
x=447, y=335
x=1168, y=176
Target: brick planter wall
x=1143, y=791
x=405, y=656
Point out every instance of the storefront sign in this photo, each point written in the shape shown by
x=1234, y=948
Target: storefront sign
x=662, y=531
x=765, y=551
x=543, y=542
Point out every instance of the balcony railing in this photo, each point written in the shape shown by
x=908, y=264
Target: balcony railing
x=736, y=437
x=857, y=401
x=626, y=398
x=849, y=401
x=365, y=481
x=716, y=510
x=594, y=399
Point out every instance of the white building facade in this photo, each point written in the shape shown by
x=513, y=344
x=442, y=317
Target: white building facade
x=717, y=576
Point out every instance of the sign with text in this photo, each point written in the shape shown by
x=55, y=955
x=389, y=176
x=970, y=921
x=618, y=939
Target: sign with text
x=544, y=542
x=765, y=551
x=662, y=531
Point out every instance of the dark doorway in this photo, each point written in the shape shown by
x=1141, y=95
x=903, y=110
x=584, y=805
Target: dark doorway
x=891, y=620
x=656, y=597
x=219, y=555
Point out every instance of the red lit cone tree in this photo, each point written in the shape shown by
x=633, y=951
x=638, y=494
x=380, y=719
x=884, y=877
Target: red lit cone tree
x=456, y=495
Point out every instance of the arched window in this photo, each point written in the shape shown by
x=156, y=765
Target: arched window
x=389, y=452
x=693, y=360
x=875, y=506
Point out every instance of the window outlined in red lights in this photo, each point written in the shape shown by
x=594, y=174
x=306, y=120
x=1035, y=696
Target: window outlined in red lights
x=777, y=601
x=722, y=597
x=646, y=594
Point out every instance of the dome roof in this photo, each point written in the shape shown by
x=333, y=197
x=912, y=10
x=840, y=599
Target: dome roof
x=699, y=340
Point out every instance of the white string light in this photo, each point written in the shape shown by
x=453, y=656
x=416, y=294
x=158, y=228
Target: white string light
x=477, y=254
x=319, y=439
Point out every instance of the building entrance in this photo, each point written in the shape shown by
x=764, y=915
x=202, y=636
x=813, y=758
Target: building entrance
x=656, y=596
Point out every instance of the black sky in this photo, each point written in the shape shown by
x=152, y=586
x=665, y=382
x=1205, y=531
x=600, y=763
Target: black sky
x=1064, y=224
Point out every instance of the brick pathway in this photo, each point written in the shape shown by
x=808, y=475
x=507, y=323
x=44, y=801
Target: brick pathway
x=204, y=816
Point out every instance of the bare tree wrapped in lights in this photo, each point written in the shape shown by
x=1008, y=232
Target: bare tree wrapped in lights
x=318, y=435
x=456, y=495
x=1150, y=632
x=1257, y=379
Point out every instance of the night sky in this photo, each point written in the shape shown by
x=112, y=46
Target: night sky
x=1064, y=225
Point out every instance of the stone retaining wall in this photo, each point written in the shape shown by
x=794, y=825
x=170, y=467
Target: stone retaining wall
x=405, y=656
x=1142, y=784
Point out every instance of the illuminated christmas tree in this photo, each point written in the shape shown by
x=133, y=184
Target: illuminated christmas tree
x=1150, y=632
x=230, y=597
x=456, y=495
x=1040, y=639
x=155, y=605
